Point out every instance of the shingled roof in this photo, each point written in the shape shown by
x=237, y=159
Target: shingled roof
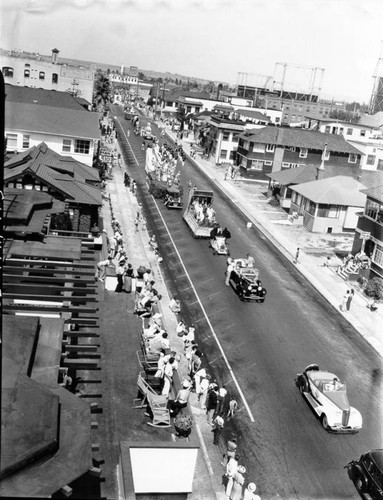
x=300, y=138
x=339, y=190
x=72, y=179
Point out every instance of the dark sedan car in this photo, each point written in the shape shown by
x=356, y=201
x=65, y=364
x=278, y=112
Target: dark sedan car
x=244, y=280
x=367, y=474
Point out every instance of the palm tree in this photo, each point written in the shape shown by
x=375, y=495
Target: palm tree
x=181, y=117
x=102, y=89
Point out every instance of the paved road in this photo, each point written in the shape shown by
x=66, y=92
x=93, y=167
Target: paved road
x=266, y=345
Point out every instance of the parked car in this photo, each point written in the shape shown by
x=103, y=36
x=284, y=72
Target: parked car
x=244, y=279
x=328, y=398
x=367, y=474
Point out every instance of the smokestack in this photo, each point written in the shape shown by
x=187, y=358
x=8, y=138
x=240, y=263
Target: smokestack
x=55, y=54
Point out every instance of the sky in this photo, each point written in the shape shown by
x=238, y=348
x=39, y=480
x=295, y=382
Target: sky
x=211, y=39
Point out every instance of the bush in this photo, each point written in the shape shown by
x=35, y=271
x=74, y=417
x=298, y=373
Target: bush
x=374, y=288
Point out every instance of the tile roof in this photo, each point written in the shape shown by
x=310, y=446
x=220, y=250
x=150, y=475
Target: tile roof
x=69, y=122
x=339, y=190
x=300, y=138
x=15, y=93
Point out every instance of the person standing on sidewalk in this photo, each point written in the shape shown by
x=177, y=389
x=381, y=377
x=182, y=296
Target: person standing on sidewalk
x=344, y=300
x=349, y=299
x=249, y=494
x=231, y=450
x=297, y=255
x=231, y=469
x=238, y=482
x=218, y=427
x=212, y=400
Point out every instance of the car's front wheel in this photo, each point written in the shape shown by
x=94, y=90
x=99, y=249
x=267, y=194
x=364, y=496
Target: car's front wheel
x=325, y=422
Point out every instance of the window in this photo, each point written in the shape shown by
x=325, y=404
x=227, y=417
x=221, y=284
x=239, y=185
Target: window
x=232, y=155
x=258, y=148
x=41, y=75
x=293, y=118
x=327, y=129
x=371, y=159
x=11, y=141
x=226, y=136
x=303, y=153
x=296, y=198
x=256, y=165
x=235, y=138
x=67, y=146
x=362, y=133
x=246, y=145
x=270, y=148
x=352, y=158
x=55, y=78
x=7, y=71
x=329, y=211
x=277, y=119
x=380, y=165
x=341, y=129
x=310, y=207
x=377, y=258
x=268, y=163
x=223, y=154
x=372, y=209
x=349, y=131
x=82, y=146
x=27, y=73
x=290, y=148
x=188, y=109
x=26, y=139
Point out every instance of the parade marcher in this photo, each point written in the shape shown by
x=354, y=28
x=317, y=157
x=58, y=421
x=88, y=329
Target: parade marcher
x=202, y=390
x=233, y=405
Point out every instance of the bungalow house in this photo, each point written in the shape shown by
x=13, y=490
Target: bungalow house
x=64, y=178
x=271, y=149
x=33, y=116
x=328, y=205
x=369, y=231
x=252, y=116
x=282, y=182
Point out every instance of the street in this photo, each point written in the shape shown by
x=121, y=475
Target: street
x=266, y=345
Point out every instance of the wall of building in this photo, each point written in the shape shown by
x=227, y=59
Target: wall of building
x=53, y=142
x=69, y=78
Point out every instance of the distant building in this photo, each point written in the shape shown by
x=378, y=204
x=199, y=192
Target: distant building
x=33, y=70
x=33, y=116
x=271, y=149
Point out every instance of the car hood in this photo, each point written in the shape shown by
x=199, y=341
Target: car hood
x=339, y=398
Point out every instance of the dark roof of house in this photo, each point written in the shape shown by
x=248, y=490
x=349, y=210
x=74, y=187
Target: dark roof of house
x=375, y=192
x=53, y=98
x=300, y=138
x=70, y=178
x=67, y=122
x=339, y=190
x=175, y=94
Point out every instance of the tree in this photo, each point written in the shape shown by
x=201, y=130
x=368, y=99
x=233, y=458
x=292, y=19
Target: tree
x=347, y=116
x=181, y=117
x=102, y=89
x=141, y=76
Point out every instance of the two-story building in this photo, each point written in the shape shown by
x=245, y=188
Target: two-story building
x=369, y=230
x=271, y=149
x=33, y=116
x=33, y=70
x=223, y=134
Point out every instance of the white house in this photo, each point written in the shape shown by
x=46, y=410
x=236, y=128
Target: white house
x=54, y=118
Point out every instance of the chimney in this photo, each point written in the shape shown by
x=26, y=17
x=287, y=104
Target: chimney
x=321, y=169
x=55, y=53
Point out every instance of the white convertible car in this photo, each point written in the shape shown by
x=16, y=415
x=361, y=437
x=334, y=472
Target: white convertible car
x=328, y=397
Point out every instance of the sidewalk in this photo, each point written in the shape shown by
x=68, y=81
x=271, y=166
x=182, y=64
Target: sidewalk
x=273, y=223
x=208, y=473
